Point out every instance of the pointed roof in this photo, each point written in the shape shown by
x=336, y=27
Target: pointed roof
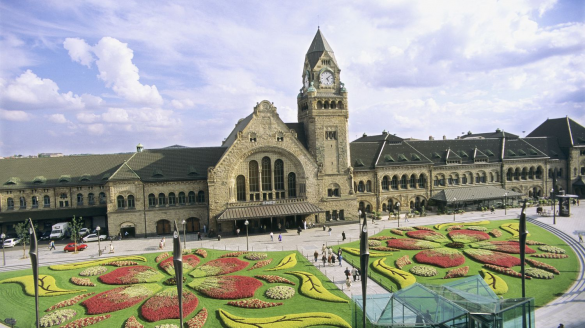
x=317, y=48
x=568, y=132
x=124, y=172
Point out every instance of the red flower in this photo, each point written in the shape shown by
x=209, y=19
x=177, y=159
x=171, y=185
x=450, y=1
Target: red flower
x=219, y=267
x=227, y=287
x=165, y=305
x=442, y=257
x=189, y=262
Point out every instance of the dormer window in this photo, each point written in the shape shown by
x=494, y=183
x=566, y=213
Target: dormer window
x=521, y=152
x=359, y=162
x=65, y=178
x=85, y=178
x=157, y=173
x=436, y=155
x=415, y=157
x=388, y=158
x=106, y=176
x=402, y=158
x=12, y=181
x=489, y=152
x=511, y=152
x=192, y=171
x=532, y=151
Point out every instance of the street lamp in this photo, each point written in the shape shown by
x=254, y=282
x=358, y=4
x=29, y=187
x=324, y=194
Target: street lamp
x=364, y=260
x=454, y=200
x=506, y=203
x=360, y=219
x=184, y=238
x=398, y=215
x=247, y=245
x=99, y=243
x=3, y=254
x=34, y=261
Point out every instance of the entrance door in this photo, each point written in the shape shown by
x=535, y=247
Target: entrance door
x=193, y=225
x=163, y=227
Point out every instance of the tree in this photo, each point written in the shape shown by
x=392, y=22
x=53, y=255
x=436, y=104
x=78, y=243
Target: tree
x=76, y=225
x=23, y=233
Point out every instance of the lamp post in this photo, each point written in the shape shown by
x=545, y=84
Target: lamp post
x=454, y=200
x=360, y=219
x=99, y=243
x=178, y=263
x=34, y=260
x=398, y=215
x=364, y=259
x=3, y=254
x=506, y=203
x=247, y=245
x=554, y=195
x=184, y=236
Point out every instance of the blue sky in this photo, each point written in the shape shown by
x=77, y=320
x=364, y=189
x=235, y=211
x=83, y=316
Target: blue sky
x=101, y=76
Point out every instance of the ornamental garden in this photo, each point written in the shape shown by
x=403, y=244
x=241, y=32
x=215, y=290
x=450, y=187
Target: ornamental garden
x=283, y=289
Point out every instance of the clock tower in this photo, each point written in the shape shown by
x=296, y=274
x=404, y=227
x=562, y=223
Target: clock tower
x=322, y=108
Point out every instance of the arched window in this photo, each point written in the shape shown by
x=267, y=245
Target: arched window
x=120, y=200
x=63, y=196
x=369, y=186
x=266, y=174
x=464, y=179
x=79, y=199
x=524, y=174
x=22, y=202
x=403, y=182
x=436, y=181
x=162, y=200
x=538, y=174
x=491, y=177
x=131, y=201
x=477, y=178
x=509, y=175
x=560, y=173
x=550, y=173
x=354, y=186
x=172, y=199
x=46, y=201
x=517, y=174
x=191, y=196
x=531, y=173
x=450, y=180
x=35, y=202
x=90, y=199
x=253, y=177
x=384, y=207
x=181, y=198
x=385, y=183
x=394, y=183
x=102, y=197
x=422, y=181
x=412, y=182
x=362, y=207
x=151, y=200
x=361, y=186
x=278, y=175
x=201, y=196
x=241, y=188
x=10, y=203
x=483, y=177
x=292, y=185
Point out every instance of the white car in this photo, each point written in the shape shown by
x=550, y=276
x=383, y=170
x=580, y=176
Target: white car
x=83, y=232
x=93, y=237
x=11, y=242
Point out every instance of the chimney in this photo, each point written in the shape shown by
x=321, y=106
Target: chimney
x=444, y=137
x=431, y=138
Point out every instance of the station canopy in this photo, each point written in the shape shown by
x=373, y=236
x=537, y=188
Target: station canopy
x=473, y=193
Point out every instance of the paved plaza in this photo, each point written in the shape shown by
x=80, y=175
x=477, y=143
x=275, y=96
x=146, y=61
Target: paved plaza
x=567, y=309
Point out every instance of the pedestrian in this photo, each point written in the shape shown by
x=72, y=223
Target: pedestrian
x=160, y=244
x=52, y=245
x=580, y=238
x=279, y=226
x=126, y=234
x=348, y=282
x=199, y=235
x=271, y=236
x=330, y=231
x=358, y=274
x=164, y=242
x=204, y=228
x=316, y=254
x=343, y=236
x=299, y=229
x=329, y=260
x=279, y=237
x=354, y=272
x=333, y=259
x=347, y=272
x=324, y=248
x=339, y=251
x=238, y=232
x=405, y=217
x=323, y=227
x=561, y=326
x=339, y=258
x=111, y=247
x=324, y=259
x=120, y=236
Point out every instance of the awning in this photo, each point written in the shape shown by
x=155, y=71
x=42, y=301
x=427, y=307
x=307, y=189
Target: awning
x=579, y=182
x=266, y=211
x=473, y=193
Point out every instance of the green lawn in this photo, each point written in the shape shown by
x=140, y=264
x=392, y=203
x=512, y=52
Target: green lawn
x=542, y=290
x=16, y=304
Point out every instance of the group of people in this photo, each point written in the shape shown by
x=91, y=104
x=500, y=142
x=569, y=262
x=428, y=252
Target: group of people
x=329, y=256
x=353, y=272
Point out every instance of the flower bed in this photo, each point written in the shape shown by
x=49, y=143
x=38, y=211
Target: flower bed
x=496, y=233
x=274, y=279
x=93, y=271
x=544, y=266
x=497, y=284
x=254, y=303
x=550, y=256
x=552, y=249
x=189, y=262
x=84, y=322
x=405, y=229
x=167, y=325
x=233, y=254
x=201, y=252
x=226, y=287
x=287, y=262
x=298, y=320
x=513, y=228
x=443, y=225
x=82, y=282
x=539, y=273
x=423, y=228
x=356, y=251
x=512, y=247
x=260, y=264
x=312, y=287
x=79, y=265
x=120, y=263
x=198, y=321
x=131, y=275
x=403, y=261
x=468, y=236
x=57, y=317
x=455, y=244
x=219, y=267
x=397, y=232
x=165, y=305
x=412, y=244
x=172, y=281
x=456, y=273
x=47, y=285
x=132, y=322
x=534, y=242
x=381, y=237
x=119, y=298
x=374, y=243
x=490, y=257
x=423, y=271
x=385, y=249
x=504, y=270
x=442, y=257
x=427, y=235
x=69, y=302
x=401, y=278
x=280, y=292
x=476, y=228
x=255, y=256
x=455, y=227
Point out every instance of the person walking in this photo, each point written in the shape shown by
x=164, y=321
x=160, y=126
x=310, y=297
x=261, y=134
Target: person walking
x=316, y=254
x=199, y=235
x=580, y=238
x=339, y=258
x=354, y=273
x=238, y=232
x=330, y=231
x=347, y=272
x=406, y=217
x=271, y=236
x=280, y=237
x=324, y=259
x=329, y=260
x=52, y=245
x=343, y=236
x=204, y=228
x=160, y=244
x=324, y=248
x=332, y=259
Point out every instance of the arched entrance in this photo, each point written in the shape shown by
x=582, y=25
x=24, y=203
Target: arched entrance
x=163, y=227
x=127, y=229
x=193, y=225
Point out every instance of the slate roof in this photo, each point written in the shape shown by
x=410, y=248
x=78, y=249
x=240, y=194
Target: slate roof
x=567, y=131
x=547, y=145
x=520, y=149
x=498, y=134
x=465, y=149
x=240, y=126
x=473, y=193
x=300, y=130
x=262, y=211
x=402, y=153
x=318, y=46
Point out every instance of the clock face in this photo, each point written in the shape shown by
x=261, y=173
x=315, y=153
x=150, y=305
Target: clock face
x=326, y=79
x=306, y=81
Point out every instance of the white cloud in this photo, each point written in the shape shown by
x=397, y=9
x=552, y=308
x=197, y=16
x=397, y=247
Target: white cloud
x=14, y=115
x=96, y=129
x=87, y=117
x=58, y=118
x=79, y=51
x=115, y=115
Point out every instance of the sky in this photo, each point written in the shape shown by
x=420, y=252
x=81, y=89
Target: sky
x=101, y=76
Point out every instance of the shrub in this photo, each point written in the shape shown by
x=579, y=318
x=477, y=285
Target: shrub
x=119, y=298
x=539, y=273
x=551, y=249
x=534, y=242
x=203, y=253
x=427, y=235
x=405, y=229
x=385, y=249
x=254, y=303
x=280, y=292
x=79, y=265
x=497, y=284
x=218, y=267
x=312, y=287
x=172, y=281
x=495, y=258
x=423, y=228
x=423, y=271
x=455, y=244
x=412, y=244
x=476, y=228
x=309, y=319
x=397, y=232
x=455, y=227
x=189, y=262
x=69, y=302
x=456, y=273
x=401, y=278
x=226, y=287
x=496, y=233
x=550, y=256
x=132, y=322
x=512, y=247
x=468, y=236
x=287, y=262
x=381, y=237
x=120, y=263
x=504, y=270
x=93, y=271
x=374, y=243
x=57, y=317
x=233, y=254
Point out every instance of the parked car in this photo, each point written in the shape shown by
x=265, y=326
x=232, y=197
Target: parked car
x=83, y=232
x=71, y=247
x=45, y=235
x=11, y=242
x=93, y=237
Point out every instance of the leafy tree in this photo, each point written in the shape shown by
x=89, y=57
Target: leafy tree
x=76, y=225
x=23, y=233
